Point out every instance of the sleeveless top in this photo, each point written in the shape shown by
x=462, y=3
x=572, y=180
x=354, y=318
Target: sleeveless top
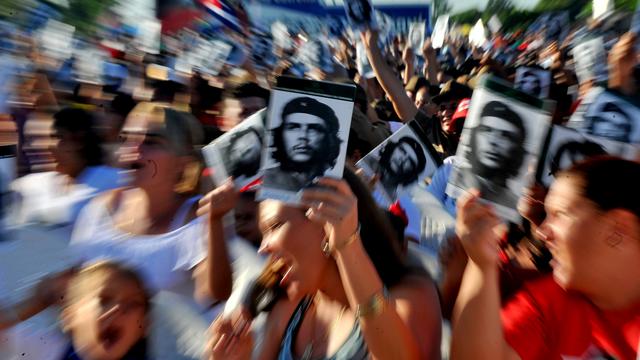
x=354, y=348
x=163, y=260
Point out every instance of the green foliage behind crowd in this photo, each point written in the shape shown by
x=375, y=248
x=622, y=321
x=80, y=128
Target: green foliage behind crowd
x=513, y=18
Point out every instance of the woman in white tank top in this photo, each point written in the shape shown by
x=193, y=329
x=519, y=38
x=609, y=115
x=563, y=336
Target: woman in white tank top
x=152, y=225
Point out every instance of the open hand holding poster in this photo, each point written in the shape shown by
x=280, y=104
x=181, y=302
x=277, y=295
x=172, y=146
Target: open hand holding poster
x=237, y=152
x=501, y=140
x=401, y=162
x=308, y=131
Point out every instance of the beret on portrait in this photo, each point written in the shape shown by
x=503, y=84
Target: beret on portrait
x=307, y=105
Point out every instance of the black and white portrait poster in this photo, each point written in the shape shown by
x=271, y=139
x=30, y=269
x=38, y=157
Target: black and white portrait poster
x=362, y=61
x=401, y=163
x=360, y=14
x=502, y=139
x=568, y=146
x=308, y=129
x=416, y=36
x=590, y=61
x=533, y=81
x=237, y=152
x=607, y=114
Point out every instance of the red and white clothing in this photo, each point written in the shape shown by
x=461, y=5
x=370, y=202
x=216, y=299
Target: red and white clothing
x=543, y=321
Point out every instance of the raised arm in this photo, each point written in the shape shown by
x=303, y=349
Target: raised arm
x=214, y=274
x=402, y=104
x=477, y=326
x=404, y=325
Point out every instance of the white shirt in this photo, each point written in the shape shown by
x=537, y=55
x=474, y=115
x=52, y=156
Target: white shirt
x=48, y=198
x=164, y=260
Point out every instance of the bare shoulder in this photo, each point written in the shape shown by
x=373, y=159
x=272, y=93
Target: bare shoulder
x=275, y=327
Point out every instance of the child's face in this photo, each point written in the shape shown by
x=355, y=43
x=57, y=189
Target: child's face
x=107, y=321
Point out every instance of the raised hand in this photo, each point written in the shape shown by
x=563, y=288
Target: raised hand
x=479, y=230
x=336, y=207
x=219, y=201
x=230, y=338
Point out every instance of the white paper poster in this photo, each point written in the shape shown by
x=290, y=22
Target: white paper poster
x=494, y=24
x=440, y=30
x=477, y=35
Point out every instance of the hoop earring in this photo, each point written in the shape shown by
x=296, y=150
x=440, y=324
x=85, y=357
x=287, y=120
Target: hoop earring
x=325, y=247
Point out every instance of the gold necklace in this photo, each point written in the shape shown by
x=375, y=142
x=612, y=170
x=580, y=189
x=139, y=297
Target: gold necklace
x=308, y=350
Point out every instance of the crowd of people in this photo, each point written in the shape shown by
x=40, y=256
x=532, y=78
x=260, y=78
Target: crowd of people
x=111, y=175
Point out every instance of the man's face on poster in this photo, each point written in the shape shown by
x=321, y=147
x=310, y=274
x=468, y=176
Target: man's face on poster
x=496, y=140
x=357, y=10
x=611, y=123
x=246, y=149
x=303, y=135
x=403, y=160
x=529, y=83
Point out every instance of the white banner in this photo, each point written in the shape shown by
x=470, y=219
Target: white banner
x=477, y=35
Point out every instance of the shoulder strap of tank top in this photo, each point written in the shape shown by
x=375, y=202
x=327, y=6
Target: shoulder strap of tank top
x=181, y=215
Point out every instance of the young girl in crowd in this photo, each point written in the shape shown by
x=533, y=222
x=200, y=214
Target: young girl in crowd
x=349, y=294
x=106, y=314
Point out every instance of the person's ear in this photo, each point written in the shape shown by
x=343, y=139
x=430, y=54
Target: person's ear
x=190, y=177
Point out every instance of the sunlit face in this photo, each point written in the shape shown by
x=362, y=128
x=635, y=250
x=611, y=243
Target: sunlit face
x=496, y=141
x=109, y=319
x=303, y=135
x=573, y=230
x=246, y=149
x=404, y=160
x=148, y=153
x=422, y=98
x=287, y=234
x=445, y=113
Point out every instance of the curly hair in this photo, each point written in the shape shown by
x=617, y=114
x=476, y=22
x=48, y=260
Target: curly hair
x=577, y=151
x=242, y=168
x=387, y=152
x=330, y=149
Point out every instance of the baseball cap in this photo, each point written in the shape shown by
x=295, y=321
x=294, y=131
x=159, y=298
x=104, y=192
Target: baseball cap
x=462, y=109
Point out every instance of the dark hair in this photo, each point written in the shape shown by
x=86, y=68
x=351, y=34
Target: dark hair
x=378, y=235
x=246, y=90
x=502, y=111
x=330, y=148
x=366, y=10
x=591, y=121
x=240, y=169
x=575, y=149
x=81, y=125
x=609, y=182
x=387, y=152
